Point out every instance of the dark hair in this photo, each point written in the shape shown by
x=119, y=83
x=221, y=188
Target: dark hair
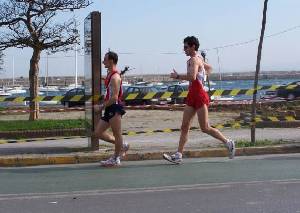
x=112, y=56
x=192, y=40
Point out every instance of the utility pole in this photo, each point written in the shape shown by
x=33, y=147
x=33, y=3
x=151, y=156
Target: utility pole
x=76, y=56
x=219, y=66
x=1, y=61
x=258, y=61
x=47, y=72
x=75, y=48
x=13, y=70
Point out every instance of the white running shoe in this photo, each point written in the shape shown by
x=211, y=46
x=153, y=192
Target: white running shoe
x=175, y=158
x=113, y=161
x=125, y=149
x=231, y=148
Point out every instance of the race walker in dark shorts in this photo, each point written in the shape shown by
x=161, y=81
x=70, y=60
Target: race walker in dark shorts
x=113, y=112
x=117, y=107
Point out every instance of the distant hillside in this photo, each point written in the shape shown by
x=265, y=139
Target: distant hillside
x=262, y=75
x=225, y=76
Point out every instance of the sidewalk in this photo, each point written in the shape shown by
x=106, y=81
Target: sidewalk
x=142, y=147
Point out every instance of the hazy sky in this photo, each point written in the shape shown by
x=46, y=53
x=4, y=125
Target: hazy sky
x=150, y=28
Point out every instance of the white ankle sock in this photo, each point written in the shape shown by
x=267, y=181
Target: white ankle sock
x=179, y=154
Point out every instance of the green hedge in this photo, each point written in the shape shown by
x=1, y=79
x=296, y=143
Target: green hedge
x=41, y=124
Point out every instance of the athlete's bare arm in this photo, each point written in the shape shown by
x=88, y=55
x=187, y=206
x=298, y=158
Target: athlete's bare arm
x=208, y=68
x=192, y=70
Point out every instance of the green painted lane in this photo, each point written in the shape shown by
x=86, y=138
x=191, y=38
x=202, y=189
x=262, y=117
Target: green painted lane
x=54, y=179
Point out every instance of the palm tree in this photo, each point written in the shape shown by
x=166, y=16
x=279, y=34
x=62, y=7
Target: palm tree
x=257, y=70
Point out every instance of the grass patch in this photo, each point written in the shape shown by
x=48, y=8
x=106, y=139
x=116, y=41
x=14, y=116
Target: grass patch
x=41, y=124
x=246, y=143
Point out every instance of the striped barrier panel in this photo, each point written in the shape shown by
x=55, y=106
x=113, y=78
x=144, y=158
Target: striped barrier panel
x=146, y=96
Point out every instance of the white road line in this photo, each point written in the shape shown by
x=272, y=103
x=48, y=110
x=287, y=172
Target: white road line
x=30, y=196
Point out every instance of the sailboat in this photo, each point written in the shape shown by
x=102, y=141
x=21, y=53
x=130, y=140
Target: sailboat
x=17, y=90
x=3, y=93
x=71, y=86
x=48, y=89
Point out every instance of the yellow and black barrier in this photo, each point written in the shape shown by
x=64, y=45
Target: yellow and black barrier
x=49, y=98
x=234, y=124
x=147, y=96
x=274, y=118
x=39, y=139
x=230, y=125
x=259, y=119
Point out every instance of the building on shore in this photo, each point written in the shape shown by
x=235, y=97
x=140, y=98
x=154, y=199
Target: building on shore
x=61, y=81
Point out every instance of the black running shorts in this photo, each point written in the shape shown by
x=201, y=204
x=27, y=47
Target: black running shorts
x=111, y=110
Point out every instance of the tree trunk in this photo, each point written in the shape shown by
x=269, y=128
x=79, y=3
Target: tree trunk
x=261, y=40
x=34, y=83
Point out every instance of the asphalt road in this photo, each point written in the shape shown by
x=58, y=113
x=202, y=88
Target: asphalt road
x=246, y=184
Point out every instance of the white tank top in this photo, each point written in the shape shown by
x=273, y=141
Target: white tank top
x=201, y=75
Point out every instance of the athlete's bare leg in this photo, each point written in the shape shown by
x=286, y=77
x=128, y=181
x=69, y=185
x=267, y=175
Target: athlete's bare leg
x=202, y=114
x=101, y=132
x=188, y=115
x=115, y=123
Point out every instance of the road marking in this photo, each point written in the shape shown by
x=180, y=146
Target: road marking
x=206, y=186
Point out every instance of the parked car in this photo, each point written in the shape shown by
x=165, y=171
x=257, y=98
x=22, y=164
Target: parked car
x=76, y=91
x=142, y=91
x=161, y=88
x=177, y=89
x=289, y=94
x=269, y=94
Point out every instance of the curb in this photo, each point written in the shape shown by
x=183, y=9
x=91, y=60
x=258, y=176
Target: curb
x=92, y=157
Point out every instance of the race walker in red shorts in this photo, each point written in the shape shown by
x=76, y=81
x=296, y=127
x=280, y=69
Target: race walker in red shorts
x=197, y=96
x=197, y=101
